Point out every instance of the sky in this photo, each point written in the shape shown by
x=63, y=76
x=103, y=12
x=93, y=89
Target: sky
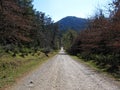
x=57, y=9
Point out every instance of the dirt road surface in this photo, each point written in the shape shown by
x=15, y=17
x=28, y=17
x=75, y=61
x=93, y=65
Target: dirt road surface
x=63, y=73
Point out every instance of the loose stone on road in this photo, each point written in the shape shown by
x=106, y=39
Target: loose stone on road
x=63, y=73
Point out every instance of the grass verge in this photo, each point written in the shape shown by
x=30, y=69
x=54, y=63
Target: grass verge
x=95, y=67
x=12, y=68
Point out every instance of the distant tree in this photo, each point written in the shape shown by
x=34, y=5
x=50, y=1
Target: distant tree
x=68, y=38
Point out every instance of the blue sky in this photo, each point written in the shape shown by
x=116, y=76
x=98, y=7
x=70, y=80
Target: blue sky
x=58, y=9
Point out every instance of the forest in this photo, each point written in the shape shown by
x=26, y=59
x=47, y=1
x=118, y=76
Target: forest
x=27, y=39
x=22, y=27
x=24, y=30
x=100, y=42
x=27, y=35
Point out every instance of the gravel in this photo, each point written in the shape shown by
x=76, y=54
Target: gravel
x=63, y=73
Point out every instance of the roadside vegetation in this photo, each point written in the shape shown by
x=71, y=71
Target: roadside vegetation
x=15, y=67
x=100, y=42
x=27, y=38
x=92, y=64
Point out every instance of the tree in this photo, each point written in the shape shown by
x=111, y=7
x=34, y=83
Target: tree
x=68, y=38
x=23, y=27
x=101, y=41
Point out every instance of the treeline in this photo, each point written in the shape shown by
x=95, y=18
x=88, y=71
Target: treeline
x=68, y=38
x=23, y=29
x=100, y=42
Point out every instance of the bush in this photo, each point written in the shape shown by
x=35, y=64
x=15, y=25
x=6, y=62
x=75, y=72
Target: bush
x=86, y=56
x=46, y=51
x=110, y=63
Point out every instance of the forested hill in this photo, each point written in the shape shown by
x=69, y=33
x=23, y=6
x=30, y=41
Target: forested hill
x=73, y=23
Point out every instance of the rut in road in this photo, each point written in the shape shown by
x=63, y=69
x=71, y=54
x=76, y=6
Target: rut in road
x=63, y=73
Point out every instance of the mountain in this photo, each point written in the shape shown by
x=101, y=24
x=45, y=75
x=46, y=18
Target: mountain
x=72, y=22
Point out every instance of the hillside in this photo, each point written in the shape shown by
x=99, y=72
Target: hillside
x=71, y=22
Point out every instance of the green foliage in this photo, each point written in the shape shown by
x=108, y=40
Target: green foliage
x=14, y=67
x=100, y=42
x=26, y=36
x=109, y=62
x=24, y=30
x=68, y=38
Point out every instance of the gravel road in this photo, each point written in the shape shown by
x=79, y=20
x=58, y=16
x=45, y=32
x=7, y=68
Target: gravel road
x=63, y=73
